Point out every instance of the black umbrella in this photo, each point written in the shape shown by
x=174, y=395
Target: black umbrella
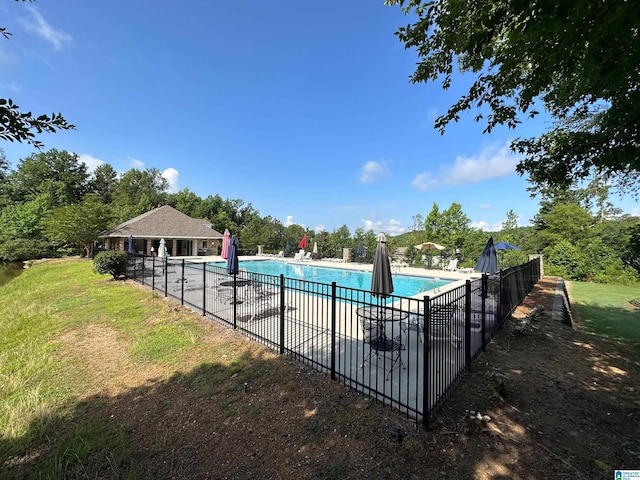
x=381, y=279
x=287, y=247
x=488, y=261
x=232, y=261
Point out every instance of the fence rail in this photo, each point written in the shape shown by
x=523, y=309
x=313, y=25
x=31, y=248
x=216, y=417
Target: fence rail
x=406, y=352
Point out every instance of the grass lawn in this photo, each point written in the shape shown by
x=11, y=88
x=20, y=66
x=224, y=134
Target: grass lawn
x=103, y=379
x=607, y=309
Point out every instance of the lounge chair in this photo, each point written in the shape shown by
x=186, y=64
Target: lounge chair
x=452, y=267
x=307, y=257
x=259, y=301
x=280, y=254
x=299, y=256
x=441, y=322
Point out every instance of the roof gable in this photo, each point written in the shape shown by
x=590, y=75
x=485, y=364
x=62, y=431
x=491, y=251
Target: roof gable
x=161, y=222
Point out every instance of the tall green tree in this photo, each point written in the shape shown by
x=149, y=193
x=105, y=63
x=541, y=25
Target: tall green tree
x=139, y=191
x=56, y=173
x=578, y=59
x=79, y=224
x=104, y=182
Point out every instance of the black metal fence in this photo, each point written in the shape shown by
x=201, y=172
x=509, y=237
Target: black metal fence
x=406, y=352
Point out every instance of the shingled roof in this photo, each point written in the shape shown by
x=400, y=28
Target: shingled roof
x=164, y=222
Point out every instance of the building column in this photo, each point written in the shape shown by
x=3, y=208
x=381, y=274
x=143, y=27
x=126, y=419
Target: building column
x=174, y=247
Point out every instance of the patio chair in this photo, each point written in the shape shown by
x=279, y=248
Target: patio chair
x=280, y=254
x=259, y=301
x=452, y=267
x=298, y=256
x=307, y=257
x=441, y=322
x=380, y=345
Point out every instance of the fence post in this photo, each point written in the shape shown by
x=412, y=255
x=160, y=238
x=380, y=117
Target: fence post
x=153, y=272
x=426, y=372
x=500, y=295
x=333, y=330
x=204, y=288
x=165, y=269
x=282, y=309
x=182, y=284
x=467, y=324
x=235, y=302
x=483, y=310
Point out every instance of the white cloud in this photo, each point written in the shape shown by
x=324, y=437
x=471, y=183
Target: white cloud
x=494, y=161
x=289, y=221
x=12, y=87
x=374, y=171
x=38, y=25
x=90, y=161
x=424, y=182
x=392, y=227
x=481, y=225
x=319, y=228
x=171, y=175
x=135, y=163
x=485, y=206
x=485, y=227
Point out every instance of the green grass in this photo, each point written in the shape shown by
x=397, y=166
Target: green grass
x=41, y=384
x=605, y=309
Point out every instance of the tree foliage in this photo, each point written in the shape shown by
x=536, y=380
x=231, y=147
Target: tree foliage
x=20, y=126
x=578, y=58
x=79, y=224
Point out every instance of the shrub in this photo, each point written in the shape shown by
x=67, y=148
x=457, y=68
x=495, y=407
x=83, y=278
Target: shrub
x=25, y=249
x=112, y=262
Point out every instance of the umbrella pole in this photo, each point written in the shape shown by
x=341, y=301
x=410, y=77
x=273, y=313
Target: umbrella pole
x=235, y=301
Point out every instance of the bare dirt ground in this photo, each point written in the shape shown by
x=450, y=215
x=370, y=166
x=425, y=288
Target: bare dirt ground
x=562, y=404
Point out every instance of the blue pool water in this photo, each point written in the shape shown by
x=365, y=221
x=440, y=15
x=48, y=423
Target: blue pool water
x=404, y=285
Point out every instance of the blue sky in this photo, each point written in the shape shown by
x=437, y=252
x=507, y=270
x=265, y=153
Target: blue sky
x=302, y=109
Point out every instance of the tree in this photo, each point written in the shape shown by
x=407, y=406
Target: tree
x=56, y=173
x=578, y=58
x=139, y=191
x=22, y=126
x=79, y=224
x=104, y=182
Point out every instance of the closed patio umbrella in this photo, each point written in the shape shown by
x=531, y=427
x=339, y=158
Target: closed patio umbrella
x=303, y=242
x=488, y=261
x=232, y=260
x=360, y=250
x=381, y=279
x=287, y=247
x=162, y=249
x=315, y=247
x=131, y=248
x=226, y=238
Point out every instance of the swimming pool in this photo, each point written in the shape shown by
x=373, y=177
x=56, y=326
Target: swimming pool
x=404, y=285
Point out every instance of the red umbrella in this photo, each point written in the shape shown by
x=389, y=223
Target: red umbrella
x=303, y=242
x=226, y=240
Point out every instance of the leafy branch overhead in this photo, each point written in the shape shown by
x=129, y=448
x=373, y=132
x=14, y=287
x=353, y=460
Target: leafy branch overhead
x=577, y=58
x=23, y=126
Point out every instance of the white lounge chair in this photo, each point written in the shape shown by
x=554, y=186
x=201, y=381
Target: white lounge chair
x=307, y=257
x=299, y=256
x=280, y=254
x=452, y=267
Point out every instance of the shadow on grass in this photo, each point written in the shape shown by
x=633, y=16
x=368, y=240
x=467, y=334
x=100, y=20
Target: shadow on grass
x=618, y=323
x=254, y=418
